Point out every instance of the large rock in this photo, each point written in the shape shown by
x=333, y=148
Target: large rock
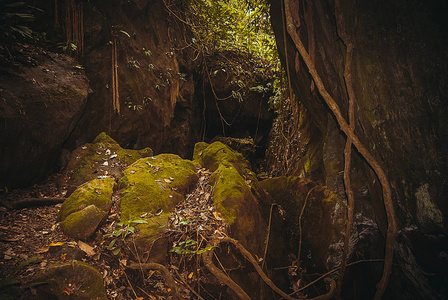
x=86, y=208
x=401, y=104
x=40, y=105
x=153, y=186
x=72, y=280
x=100, y=159
x=323, y=219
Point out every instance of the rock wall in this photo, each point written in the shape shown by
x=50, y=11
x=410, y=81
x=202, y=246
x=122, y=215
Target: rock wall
x=398, y=75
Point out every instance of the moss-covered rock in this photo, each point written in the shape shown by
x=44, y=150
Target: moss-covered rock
x=155, y=185
x=82, y=224
x=213, y=155
x=102, y=158
x=97, y=192
x=323, y=220
x=86, y=208
x=73, y=280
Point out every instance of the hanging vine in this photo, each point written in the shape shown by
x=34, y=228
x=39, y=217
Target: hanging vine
x=365, y=153
x=73, y=26
x=114, y=61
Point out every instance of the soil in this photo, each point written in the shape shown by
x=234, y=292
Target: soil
x=31, y=239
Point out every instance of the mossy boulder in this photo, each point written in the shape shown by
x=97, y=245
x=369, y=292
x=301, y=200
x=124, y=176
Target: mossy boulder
x=86, y=208
x=72, y=280
x=213, y=155
x=323, y=219
x=82, y=224
x=235, y=192
x=154, y=186
x=100, y=159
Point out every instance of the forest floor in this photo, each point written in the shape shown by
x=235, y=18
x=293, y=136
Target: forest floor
x=31, y=239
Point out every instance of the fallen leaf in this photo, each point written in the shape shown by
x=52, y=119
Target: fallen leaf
x=190, y=275
x=56, y=244
x=86, y=248
x=42, y=250
x=217, y=216
x=167, y=180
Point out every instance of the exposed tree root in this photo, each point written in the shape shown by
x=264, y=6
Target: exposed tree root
x=208, y=261
x=348, y=145
x=34, y=202
x=166, y=274
x=344, y=126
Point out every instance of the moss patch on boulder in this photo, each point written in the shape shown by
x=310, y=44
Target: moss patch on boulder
x=102, y=158
x=86, y=208
x=213, y=155
x=81, y=280
x=154, y=186
x=155, y=183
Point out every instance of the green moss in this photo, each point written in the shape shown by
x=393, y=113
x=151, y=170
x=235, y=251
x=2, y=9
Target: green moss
x=229, y=192
x=155, y=183
x=82, y=224
x=87, y=162
x=198, y=149
x=87, y=280
x=97, y=192
x=219, y=153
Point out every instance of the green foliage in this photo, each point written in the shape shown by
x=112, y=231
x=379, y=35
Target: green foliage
x=234, y=25
x=185, y=248
x=120, y=232
x=14, y=19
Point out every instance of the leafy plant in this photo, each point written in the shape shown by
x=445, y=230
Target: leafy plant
x=183, y=248
x=120, y=232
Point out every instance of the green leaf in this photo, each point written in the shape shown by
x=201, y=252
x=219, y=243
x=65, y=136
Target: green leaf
x=139, y=222
x=29, y=261
x=111, y=245
x=8, y=282
x=131, y=229
x=116, y=251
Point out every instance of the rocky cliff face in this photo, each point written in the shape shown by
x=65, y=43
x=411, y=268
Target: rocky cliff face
x=398, y=77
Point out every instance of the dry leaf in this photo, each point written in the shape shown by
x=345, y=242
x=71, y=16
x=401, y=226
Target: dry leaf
x=217, y=216
x=167, y=180
x=86, y=248
x=42, y=250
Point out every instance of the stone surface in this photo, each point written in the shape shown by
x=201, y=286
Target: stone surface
x=40, y=105
x=86, y=208
x=322, y=222
x=100, y=159
x=82, y=224
x=154, y=186
x=400, y=117
x=72, y=280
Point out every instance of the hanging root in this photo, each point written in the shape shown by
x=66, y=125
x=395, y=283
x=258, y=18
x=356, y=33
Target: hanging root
x=207, y=258
x=345, y=127
x=166, y=274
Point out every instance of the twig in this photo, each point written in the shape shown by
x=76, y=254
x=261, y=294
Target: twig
x=188, y=286
x=207, y=258
x=165, y=272
x=267, y=237
x=300, y=221
x=236, y=288
x=334, y=270
x=382, y=177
